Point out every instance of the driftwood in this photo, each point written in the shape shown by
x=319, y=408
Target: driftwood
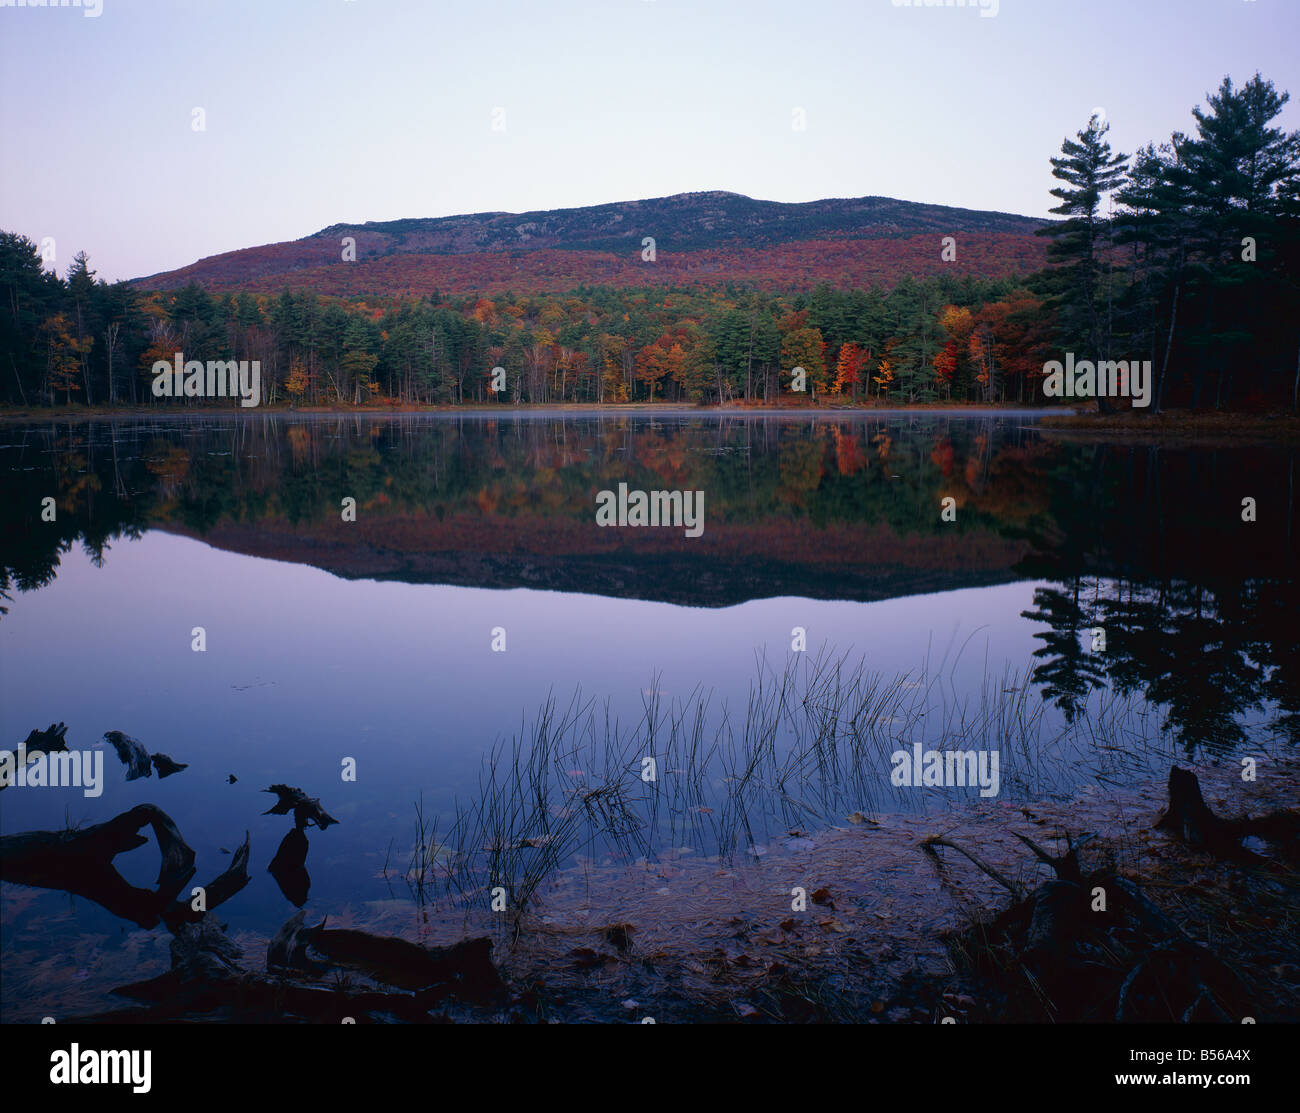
x=208, y=975
x=466, y=965
x=207, y=972
x=130, y=753
x=1089, y=944
x=306, y=809
x=288, y=948
x=929, y=844
x=48, y=741
x=216, y=892
x=397, y=962
x=165, y=767
x=81, y=862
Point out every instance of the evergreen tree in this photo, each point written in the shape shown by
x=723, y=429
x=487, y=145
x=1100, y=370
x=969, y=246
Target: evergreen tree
x=1088, y=171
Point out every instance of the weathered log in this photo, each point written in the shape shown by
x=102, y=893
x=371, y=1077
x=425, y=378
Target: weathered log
x=288, y=948
x=48, y=741
x=467, y=964
x=216, y=892
x=1065, y=866
x=306, y=809
x=1122, y=960
x=81, y=862
x=130, y=753
x=207, y=975
x=930, y=842
x=165, y=767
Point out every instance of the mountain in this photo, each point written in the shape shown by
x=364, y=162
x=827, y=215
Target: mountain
x=711, y=238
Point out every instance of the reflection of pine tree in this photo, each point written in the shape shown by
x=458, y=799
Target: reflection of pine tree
x=1187, y=649
x=1277, y=649
x=1068, y=673
x=1206, y=655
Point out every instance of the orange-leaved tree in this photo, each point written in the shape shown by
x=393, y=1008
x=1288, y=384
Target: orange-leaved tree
x=849, y=367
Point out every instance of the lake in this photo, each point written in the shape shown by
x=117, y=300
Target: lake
x=1089, y=610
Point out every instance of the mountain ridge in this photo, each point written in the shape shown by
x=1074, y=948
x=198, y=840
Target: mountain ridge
x=611, y=234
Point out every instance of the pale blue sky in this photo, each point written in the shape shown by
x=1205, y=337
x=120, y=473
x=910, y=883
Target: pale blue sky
x=321, y=111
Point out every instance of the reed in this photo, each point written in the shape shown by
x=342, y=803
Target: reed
x=812, y=745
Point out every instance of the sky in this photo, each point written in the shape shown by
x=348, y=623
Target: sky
x=318, y=112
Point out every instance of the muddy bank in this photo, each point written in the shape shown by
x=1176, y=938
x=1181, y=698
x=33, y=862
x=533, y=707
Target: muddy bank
x=890, y=931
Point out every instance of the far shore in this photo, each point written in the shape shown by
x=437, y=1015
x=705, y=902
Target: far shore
x=64, y=413
x=1130, y=425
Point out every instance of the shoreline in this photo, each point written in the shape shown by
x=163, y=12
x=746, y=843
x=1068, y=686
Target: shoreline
x=1052, y=416
x=1203, y=428
x=68, y=412
x=892, y=931
x=1194, y=426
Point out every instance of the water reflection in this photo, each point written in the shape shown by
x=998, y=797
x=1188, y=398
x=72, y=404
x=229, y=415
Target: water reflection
x=1144, y=543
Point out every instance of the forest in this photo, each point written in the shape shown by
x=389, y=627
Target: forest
x=1185, y=253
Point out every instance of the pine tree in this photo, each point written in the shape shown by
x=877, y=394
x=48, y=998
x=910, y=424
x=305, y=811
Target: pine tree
x=1088, y=171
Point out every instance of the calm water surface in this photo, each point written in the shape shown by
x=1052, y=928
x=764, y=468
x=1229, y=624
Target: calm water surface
x=372, y=639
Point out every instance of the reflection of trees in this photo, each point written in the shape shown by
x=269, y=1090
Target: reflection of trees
x=1146, y=543
x=1205, y=654
x=1068, y=673
x=89, y=508
x=112, y=476
x=1276, y=644
x=1198, y=607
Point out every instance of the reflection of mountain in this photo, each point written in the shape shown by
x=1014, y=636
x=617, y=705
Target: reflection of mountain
x=729, y=565
x=1147, y=543
x=822, y=510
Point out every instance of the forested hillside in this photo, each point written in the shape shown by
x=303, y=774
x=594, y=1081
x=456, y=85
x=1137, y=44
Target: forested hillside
x=712, y=236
